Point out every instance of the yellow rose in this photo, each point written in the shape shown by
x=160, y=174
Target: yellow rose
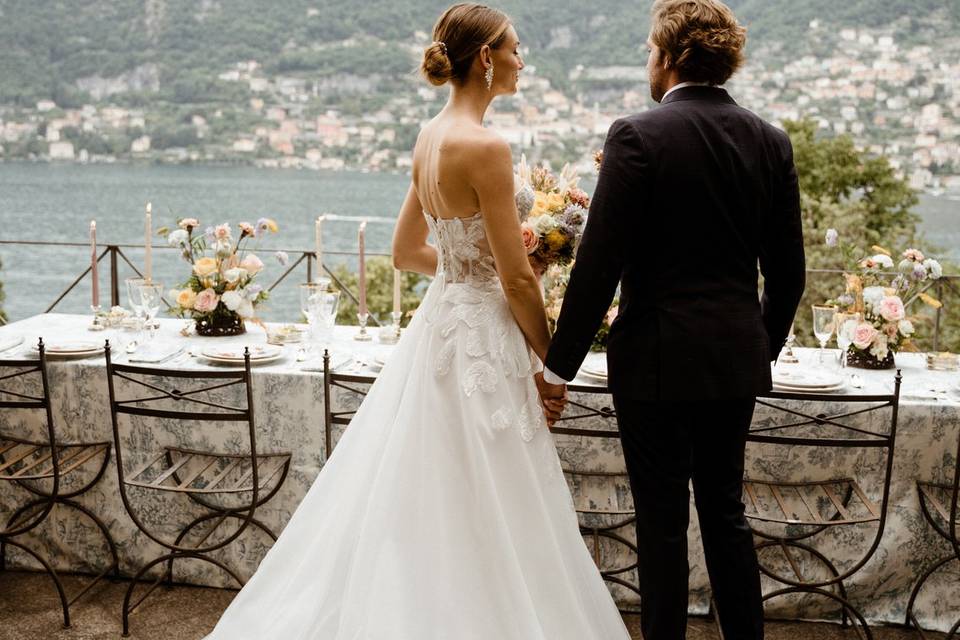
x=555, y=240
x=539, y=205
x=186, y=298
x=555, y=201
x=205, y=267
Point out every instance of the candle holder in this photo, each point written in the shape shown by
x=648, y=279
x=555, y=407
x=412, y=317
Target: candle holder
x=391, y=333
x=98, y=323
x=362, y=334
x=787, y=356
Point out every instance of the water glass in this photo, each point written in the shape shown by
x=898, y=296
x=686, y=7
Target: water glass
x=824, y=323
x=151, y=296
x=320, y=308
x=136, y=305
x=846, y=324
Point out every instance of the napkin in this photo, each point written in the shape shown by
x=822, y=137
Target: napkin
x=154, y=353
x=335, y=363
x=10, y=342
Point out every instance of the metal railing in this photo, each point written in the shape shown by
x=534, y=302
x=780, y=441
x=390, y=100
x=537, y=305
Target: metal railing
x=114, y=254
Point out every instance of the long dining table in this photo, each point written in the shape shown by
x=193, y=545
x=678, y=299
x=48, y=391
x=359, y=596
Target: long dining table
x=288, y=398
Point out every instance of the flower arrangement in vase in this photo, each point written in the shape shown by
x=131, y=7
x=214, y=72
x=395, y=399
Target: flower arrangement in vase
x=881, y=291
x=220, y=293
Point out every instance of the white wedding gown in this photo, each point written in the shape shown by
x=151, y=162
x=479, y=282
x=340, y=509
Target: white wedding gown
x=443, y=513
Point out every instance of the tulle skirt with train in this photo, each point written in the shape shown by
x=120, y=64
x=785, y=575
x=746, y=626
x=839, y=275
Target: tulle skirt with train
x=443, y=513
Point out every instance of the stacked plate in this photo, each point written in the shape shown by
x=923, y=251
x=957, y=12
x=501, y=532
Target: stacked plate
x=69, y=349
x=595, y=371
x=792, y=380
x=9, y=343
x=259, y=354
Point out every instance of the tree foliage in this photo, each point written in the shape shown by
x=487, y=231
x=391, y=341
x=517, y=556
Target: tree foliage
x=843, y=188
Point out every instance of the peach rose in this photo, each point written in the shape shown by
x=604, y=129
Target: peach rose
x=863, y=335
x=205, y=267
x=891, y=309
x=530, y=239
x=206, y=301
x=186, y=298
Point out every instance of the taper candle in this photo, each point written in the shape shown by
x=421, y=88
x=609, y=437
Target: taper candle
x=94, y=277
x=147, y=250
x=318, y=232
x=396, y=290
x=363, y=269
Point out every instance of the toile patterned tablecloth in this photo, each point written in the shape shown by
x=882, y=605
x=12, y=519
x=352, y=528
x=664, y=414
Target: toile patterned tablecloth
x=288, y=401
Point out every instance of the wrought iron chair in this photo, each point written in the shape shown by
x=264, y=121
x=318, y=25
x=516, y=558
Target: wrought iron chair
x=600, y=526
x=941, y=507
x=786, y=515
x=353, y=384
x=43, y=467
x=226, y=486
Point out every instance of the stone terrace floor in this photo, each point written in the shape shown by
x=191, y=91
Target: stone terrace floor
x=29, y=610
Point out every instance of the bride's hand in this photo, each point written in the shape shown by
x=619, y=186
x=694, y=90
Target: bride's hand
x=553, y=397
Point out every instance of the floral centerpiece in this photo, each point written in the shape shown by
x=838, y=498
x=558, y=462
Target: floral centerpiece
x=554, y=210
x=881, y=291
x=220, y=293
x=555, y=287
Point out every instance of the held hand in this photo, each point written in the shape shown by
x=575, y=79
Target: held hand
x=553, y=397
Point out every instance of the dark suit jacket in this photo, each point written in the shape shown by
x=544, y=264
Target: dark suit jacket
x=692, y=196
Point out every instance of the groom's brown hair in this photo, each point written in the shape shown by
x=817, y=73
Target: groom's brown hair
x=701, y=38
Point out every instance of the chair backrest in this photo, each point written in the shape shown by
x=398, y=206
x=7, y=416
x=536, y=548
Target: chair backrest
x=955, y=503
x=157, y=393
x=331, y=380
x=20, y=455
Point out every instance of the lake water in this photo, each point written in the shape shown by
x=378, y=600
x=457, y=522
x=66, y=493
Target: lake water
x=55, y=202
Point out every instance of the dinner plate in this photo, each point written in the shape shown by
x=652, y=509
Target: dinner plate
x=69, y=347
x=790, y=389
x=593, y=376
x=235, y=361
x=236, y=353
x=806, y=379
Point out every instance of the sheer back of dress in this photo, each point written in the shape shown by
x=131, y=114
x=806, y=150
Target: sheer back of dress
x=463, y=253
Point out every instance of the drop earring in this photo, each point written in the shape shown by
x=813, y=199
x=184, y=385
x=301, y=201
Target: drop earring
x=489, y=77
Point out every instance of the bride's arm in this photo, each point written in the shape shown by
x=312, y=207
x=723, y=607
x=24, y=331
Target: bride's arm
x=410, y=249
x=491, y=174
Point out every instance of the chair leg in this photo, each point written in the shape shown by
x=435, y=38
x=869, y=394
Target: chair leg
x=910, y=617
x=61, y=593
x=863, y=629
x=210, y=516
x=128, y=609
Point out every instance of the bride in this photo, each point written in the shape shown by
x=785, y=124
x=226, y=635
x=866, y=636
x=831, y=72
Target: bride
x=444, y=514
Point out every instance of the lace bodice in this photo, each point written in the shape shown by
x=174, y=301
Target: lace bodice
x=463, y=253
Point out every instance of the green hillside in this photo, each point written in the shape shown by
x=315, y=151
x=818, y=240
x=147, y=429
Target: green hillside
x=47, y=45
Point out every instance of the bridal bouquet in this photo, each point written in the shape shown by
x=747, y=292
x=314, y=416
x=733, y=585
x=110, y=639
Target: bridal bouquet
x=555, y=288
x=220, y=292
x=554, y=209
x=881, y=291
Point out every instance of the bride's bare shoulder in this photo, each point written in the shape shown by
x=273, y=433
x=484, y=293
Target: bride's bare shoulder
x=476, y=147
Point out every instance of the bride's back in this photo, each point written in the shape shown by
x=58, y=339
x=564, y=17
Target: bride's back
x=443, y=160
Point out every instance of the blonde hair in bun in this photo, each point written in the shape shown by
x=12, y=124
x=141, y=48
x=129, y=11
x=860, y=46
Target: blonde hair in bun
x=460, y=32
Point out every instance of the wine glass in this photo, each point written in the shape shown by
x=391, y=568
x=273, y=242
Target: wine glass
x=824, y=322
x=136, y=305
x=151, y=295
x=846, y=323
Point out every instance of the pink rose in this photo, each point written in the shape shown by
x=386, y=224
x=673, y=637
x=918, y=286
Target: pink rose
x=207, y=300
x=252, y=264
x=530, y=239
x=863, y=335
x=914, y=255
x=891, y=308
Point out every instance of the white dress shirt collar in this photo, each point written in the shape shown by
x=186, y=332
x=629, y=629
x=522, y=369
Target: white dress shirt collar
x=681, y=85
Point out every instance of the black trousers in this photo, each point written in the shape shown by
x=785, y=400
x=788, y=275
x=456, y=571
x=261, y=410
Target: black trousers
x=666, y=445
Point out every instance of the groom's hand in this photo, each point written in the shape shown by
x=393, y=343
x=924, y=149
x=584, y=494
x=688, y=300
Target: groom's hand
x=553, y=397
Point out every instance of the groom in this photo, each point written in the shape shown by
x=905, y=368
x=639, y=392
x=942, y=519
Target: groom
x=692, y=197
